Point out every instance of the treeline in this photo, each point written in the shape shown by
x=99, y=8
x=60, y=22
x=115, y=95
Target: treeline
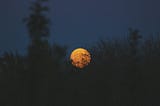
x=120, y=74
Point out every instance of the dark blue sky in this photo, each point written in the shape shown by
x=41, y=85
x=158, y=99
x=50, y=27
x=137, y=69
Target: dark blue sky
x=79, y=22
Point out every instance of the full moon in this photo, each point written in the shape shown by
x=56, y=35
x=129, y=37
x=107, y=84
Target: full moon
x=80, y=57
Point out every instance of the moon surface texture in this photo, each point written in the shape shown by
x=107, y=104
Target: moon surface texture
x=80, y=58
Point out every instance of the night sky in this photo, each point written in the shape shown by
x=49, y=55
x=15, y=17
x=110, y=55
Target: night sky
x=79, y=22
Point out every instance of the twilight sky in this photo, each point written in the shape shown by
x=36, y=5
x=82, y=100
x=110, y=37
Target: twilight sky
x=79, y=22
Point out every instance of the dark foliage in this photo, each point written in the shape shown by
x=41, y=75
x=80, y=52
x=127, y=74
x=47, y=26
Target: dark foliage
x=118, y=75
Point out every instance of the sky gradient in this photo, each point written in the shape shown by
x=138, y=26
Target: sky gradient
x=79, y=22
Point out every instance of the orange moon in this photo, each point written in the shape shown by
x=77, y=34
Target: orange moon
x=80, y=58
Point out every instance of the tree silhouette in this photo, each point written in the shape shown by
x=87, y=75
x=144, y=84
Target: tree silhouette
x=13, y=67
x=39, y=59
x=134, y=73
x=37, y=24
